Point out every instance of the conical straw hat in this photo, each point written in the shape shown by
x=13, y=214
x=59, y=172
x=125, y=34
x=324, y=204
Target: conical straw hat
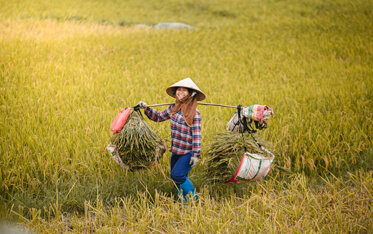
x=186, y=83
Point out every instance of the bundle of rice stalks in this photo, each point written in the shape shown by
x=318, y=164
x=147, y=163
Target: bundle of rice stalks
x=225, y=153
x=137, y=145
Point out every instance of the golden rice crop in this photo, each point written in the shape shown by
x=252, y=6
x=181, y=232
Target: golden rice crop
x=66, y=66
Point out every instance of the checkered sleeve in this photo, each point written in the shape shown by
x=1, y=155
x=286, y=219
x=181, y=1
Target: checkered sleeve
x=157, y=116
x=196, y=134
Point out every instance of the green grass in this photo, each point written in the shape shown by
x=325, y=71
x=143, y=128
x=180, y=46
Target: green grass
x=68, y=67
x=290, y=205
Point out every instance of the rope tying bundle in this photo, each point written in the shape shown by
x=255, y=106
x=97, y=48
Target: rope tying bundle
x=244, y=127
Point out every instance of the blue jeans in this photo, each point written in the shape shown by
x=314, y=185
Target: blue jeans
x=180, y=167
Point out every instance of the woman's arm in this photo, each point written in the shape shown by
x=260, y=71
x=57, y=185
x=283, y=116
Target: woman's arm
x=196, y=134
x=157, y=116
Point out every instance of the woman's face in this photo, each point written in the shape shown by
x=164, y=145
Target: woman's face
x=181, y=92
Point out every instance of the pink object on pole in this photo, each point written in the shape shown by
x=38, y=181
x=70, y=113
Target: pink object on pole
x=120, y=120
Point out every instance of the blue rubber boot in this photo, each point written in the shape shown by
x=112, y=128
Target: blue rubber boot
x=189, y=191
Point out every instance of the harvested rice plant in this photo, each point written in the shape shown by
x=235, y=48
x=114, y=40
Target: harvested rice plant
x=224, y=154
x=67, y=68
x=137, y=144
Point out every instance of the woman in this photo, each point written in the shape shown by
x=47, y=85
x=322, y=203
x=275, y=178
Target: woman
x=185, y=121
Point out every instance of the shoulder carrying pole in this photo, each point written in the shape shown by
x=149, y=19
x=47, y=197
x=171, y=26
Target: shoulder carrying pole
x=199, y=103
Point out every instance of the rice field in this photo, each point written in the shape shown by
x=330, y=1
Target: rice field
x=68, y=67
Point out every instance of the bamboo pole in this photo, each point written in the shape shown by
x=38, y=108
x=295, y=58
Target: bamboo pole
x=199, y=103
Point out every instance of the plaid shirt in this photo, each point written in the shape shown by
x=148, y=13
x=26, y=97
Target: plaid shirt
x=183, y=138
